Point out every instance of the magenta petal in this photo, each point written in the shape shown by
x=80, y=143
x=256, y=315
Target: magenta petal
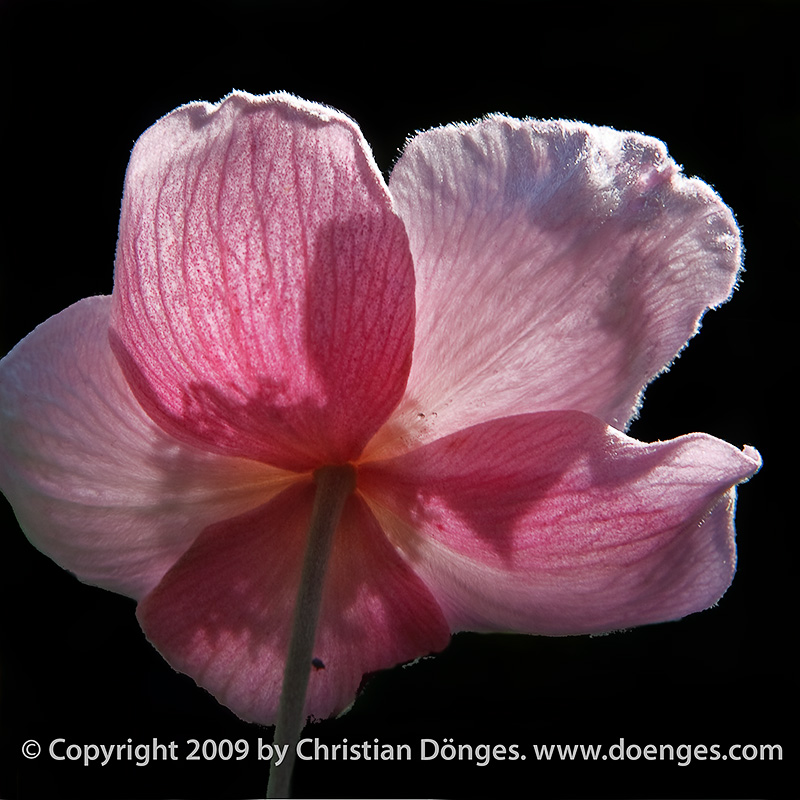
x=223, y=614
x=559, y=266
x=95, y=484
x=555, y=523
x=264, y=289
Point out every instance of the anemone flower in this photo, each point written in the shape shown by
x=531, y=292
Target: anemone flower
x=322, y=419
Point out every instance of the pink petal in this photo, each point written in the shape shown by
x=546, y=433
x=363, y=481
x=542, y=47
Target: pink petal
x=95, y=484
x=223, y=613
x=264, y=290
x=555, y=523
x=559, y=266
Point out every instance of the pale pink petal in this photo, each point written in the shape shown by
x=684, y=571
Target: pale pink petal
x=95, y=484
x=264, y=289
x=559, y=266
x=555, y=523
x=223, y=613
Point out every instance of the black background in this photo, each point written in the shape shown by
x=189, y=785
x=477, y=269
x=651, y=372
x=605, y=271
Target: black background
x=718, y=83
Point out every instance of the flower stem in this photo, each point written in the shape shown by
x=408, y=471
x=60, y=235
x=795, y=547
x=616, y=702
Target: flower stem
x=334, y=484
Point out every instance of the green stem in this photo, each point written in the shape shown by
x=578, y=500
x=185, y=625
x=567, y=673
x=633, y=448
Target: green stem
x=334, y=486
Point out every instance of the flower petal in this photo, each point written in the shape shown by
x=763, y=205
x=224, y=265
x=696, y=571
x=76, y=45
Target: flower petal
x=264, y=289
x=95, y=484
x=559, y=266
x=555, y=523
x=223, y=613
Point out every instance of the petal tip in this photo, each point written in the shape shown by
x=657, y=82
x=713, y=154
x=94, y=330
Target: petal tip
x=755, y=459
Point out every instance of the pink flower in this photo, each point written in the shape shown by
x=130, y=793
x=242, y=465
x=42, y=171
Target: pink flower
x=473, y=339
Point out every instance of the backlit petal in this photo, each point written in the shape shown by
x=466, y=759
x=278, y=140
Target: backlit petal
x=223, y=614
x=555, y=523
x=559, y=266
x=264, y=289
x=95, y=484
